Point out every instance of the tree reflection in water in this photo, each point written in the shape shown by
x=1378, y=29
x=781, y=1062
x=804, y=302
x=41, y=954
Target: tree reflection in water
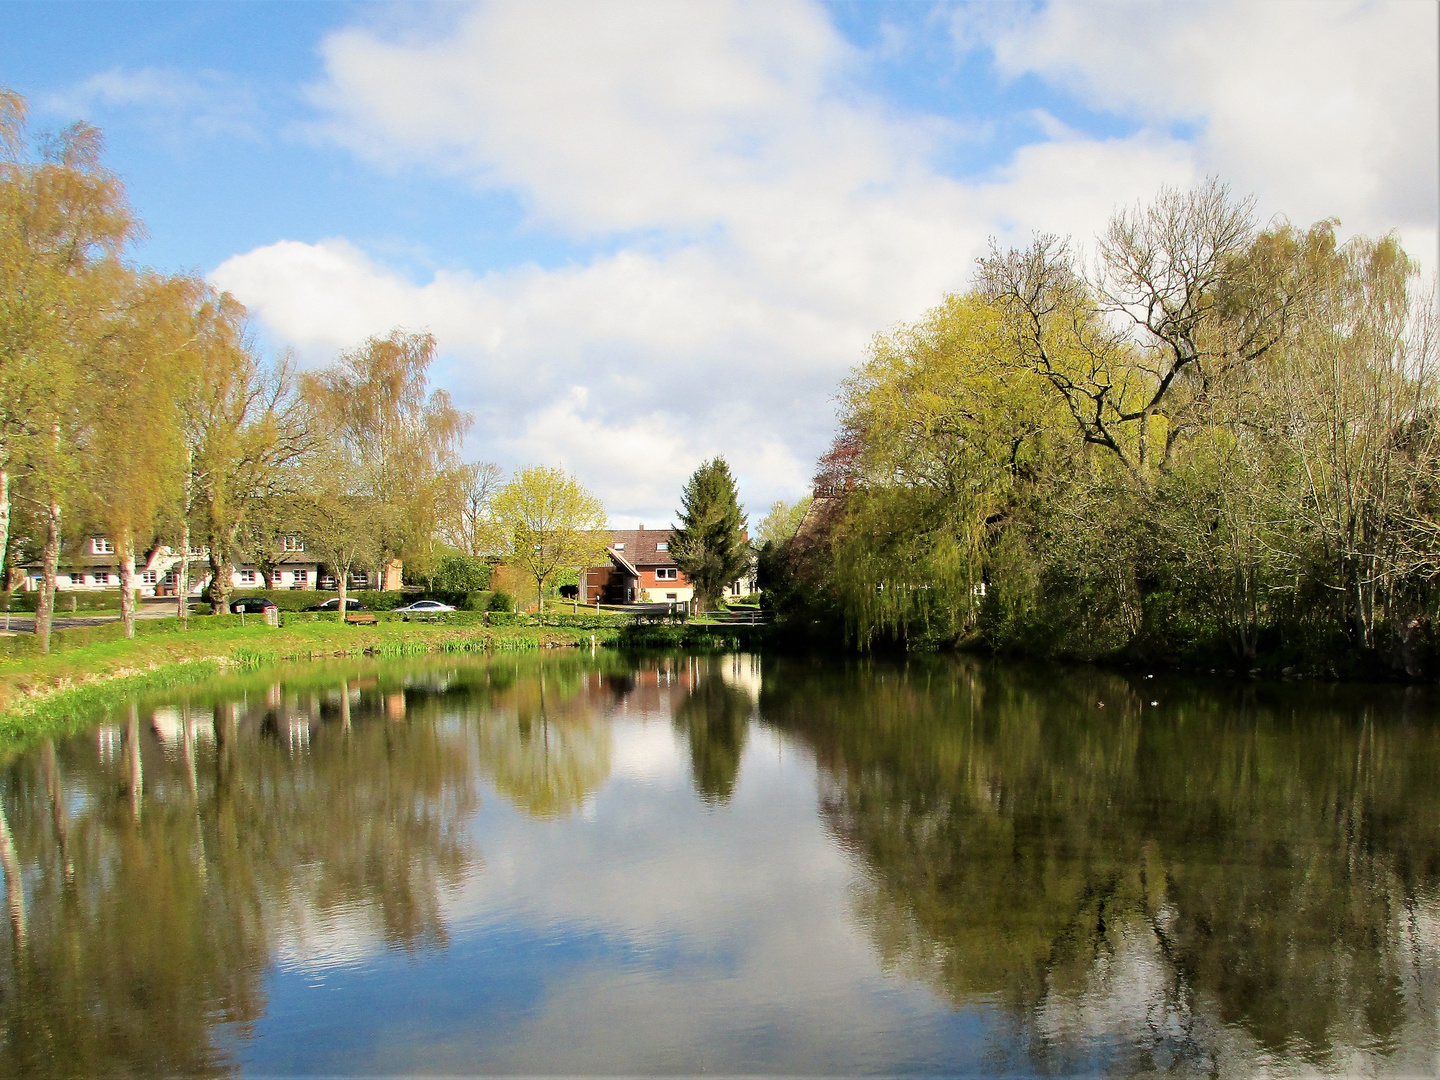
x=715, y=718
x=1223, y=881
x=169, y=858
x=1253, y=867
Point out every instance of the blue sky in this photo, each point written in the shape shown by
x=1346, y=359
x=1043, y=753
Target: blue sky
x=649, y=233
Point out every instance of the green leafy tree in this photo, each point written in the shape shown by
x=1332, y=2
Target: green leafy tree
x=459, y=574
x=400, y=437
x=782, y=522
x=553, y=522
x=64, y=227
x=710, y=545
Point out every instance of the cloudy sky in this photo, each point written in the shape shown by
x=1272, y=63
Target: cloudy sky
x=648, y=233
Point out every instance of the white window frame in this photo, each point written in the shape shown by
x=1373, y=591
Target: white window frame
x=102, y=578
x=667, y=573
x=149, y=577
x=247, y=577
x=663, y=545
x=100, y=545
x=618, y=547
x=292, y=543
x=299, y=576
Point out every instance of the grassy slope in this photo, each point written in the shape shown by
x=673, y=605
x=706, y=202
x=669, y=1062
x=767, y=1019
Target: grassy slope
x=56, y=691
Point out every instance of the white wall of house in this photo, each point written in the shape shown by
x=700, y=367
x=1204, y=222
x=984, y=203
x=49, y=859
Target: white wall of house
x=159, y=578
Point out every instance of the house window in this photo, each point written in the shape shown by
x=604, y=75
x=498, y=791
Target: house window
x=247, y=577
x=77, y=579
x=326, y=582
x=665, y=573
x=101, y=546
x=662, y=546
x=102, y=578
x=302, y=576
x=671, y=596
x=278, y=579
x=291, y=543
x=195, y=553
x=148, y=577
x=618, y=547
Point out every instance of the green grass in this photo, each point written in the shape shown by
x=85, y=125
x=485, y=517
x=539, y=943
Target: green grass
x=56, y=692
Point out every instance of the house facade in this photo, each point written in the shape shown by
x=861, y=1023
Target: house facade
x=96, y=567
x=641, y=570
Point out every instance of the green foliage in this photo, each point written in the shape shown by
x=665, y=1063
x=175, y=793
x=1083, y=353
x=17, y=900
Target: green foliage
x=553, y=522
x=459, y=574
x=710, y=547
x=500, y=601
x=781, y=523
x=1247, y=479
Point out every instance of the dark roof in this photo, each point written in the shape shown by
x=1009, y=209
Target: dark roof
x=640, y=544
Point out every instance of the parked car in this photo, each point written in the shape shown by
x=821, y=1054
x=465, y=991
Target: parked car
x=424, y=607
x=252, y=605
x=333, y=604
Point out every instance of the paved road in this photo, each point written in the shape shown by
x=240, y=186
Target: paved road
x=24, y=622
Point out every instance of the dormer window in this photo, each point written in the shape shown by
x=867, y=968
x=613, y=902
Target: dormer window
x=663, y=545
x=99, y=545
x=618, y=547
x=292, y=543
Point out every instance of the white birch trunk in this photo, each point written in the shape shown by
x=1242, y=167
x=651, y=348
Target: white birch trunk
x=127, y=582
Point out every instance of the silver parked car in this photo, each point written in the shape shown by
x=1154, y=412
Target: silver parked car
x=424, y=607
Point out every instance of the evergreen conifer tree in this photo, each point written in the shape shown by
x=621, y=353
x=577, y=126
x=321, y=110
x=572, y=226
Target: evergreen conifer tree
x=710, y=545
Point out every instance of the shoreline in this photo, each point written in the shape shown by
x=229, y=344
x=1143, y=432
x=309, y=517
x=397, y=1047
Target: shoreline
x=57, y=693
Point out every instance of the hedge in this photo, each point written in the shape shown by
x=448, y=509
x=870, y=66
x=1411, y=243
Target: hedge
x=75, y=637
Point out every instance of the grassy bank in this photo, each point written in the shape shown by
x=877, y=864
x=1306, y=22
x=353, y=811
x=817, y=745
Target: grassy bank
x=55, y=692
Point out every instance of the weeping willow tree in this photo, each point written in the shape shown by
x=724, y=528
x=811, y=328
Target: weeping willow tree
x=947, y=430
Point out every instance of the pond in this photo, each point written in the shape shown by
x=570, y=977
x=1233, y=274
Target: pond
x=607, y=864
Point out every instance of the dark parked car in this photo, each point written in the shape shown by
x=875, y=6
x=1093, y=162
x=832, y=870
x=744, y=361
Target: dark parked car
x=252, y=605
x=333, y=604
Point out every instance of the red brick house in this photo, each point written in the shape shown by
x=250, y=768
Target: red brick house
x=640, y=571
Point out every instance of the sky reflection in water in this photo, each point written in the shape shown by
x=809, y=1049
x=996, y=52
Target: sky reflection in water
x=602, y=864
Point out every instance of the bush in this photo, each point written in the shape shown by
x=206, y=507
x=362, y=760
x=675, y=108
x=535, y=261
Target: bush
x=102, y=600
x=300, y=599
x=459, y=574
x=501, y=601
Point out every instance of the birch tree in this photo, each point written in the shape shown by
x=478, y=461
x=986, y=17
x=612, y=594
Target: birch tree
x=64, y=225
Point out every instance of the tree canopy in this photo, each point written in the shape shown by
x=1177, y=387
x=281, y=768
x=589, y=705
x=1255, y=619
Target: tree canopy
x=710, y=546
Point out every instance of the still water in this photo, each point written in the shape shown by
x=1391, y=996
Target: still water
x=604, y=864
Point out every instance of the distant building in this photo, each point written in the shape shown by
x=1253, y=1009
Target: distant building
x=641, y=570
x=96, y=566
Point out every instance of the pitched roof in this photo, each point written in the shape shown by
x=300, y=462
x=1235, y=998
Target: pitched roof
x=640, y=546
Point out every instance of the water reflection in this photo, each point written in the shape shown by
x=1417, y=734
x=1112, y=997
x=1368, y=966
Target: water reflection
x=937, y=867
x=1175, y=881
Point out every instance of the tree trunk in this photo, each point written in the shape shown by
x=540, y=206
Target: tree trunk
x=50, y=560
x=220, y=571
x=182, y=575
x=342, y=583
x=540, y=594
x=5, y=523
x=127, y=582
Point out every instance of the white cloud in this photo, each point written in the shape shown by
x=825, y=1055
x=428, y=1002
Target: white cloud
x=207, y=103
x=762, y=215
x=1322, y=108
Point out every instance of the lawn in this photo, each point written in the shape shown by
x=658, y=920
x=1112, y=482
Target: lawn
x=42, y=693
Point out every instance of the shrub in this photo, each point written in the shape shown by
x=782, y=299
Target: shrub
x=100, y=600
x=459, y=574
x=501, y=601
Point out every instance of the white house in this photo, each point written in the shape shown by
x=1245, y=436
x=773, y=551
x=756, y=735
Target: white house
x=96, y=566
